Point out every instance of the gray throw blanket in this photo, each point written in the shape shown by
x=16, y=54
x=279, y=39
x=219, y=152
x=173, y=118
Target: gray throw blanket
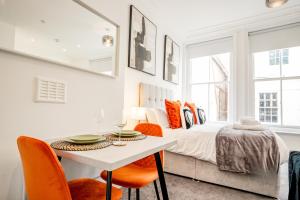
x=246, y=151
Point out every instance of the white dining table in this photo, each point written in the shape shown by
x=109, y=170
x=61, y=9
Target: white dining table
x=114, y=157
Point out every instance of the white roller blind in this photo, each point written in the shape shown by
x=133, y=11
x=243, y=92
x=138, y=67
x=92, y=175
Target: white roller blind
x=210, y=47
x=275, y=38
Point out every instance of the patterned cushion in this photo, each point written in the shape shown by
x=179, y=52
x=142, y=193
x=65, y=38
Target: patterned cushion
x=201, y=115
x=173, y=111
x=193, y=109
x=187, y=118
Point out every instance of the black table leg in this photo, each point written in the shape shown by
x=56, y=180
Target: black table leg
x=108, y=185
x=162, y=181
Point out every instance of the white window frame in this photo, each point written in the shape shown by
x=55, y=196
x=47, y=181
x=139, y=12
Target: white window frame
x=280, y=79
x=230, y=87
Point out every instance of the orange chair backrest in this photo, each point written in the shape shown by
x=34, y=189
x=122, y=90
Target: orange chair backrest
x=151, y=130
x=44, y=176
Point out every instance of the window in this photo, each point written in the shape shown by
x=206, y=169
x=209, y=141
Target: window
x=277, y=86
x=209, y=84
x=208, y=81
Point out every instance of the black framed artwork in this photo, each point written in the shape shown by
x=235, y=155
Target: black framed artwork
x=171, y=61
x=142, y=42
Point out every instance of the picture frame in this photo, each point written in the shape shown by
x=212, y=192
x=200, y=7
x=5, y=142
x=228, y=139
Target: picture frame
x=142, y=43
x=171, y=60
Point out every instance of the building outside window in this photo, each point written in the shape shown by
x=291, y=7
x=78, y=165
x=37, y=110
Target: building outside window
x=277, y=86
x=209, y=84
x=279, y=55
x=268, y=107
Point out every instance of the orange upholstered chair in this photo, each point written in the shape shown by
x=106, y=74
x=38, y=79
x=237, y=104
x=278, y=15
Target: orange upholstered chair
x=142, y=172
x=45, y=178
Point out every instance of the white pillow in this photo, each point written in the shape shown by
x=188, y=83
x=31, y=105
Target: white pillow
x=162, y=118
x=157, y=116
x=187, y=117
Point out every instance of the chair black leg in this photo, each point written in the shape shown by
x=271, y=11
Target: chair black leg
x=129, y=193
x=156, y=190
x=137, y=194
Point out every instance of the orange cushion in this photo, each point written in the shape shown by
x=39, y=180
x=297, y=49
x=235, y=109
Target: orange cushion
x=173, y=111
x=132, y=176
x=90, y=189
x=193, y=108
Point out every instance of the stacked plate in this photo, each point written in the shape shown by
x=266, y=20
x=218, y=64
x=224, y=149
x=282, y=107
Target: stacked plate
x=85, y=139
x=126, y=133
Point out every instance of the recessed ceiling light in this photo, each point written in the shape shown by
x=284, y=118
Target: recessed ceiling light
x=32, y=40
x=78, y=46
x=275, y=3
x=64, y=50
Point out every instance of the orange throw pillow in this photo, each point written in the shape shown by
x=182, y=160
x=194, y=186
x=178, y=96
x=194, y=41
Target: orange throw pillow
x=193, y=108
x=173, y=111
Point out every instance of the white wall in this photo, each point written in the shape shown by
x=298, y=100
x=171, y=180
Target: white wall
x=7, y=35
x=86, y=92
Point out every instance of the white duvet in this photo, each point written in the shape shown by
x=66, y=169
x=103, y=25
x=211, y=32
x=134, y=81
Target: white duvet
x=199, y=142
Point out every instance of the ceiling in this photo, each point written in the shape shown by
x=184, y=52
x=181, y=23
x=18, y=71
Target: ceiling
x=187, y=16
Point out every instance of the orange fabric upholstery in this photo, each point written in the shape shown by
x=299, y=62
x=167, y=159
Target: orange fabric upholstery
x=173, y=112
x=90, y=189
x=45, y=178
x=142, y=172
x=193, y=108
x=132, y=176
x=152, y=130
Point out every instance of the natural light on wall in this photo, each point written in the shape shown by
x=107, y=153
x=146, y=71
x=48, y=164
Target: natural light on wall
x=210, y=78
x=277, y=76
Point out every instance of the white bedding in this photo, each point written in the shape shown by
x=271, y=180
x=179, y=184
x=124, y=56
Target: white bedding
x=199, y=142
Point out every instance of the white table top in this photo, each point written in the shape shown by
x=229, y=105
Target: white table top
x=114, y=157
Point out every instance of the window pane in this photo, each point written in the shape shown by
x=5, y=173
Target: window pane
x=291, y=62
x=291, y=102
x=266, y=66
x=218, y=102
x=219, y=67
x=213, y=68
x=200, y=70
x=266, y=101
x=199, y=95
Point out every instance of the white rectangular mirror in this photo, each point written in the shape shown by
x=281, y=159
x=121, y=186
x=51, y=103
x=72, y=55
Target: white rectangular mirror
x=67, y=32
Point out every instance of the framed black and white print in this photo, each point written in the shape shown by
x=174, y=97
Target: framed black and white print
x=142, y=42
x=171, y=61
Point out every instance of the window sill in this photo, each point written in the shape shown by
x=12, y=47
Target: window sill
x=284, y=131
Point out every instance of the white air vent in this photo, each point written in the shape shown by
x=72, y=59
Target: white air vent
x=50, y=90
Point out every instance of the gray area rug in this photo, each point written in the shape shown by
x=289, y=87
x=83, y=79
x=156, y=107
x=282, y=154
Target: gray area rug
x=180, y=188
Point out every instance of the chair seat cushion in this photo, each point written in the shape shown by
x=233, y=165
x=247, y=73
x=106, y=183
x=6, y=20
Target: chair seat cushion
x=132, y=176
x=90, y=189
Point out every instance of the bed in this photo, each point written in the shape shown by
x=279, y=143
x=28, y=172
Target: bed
x=194, y=155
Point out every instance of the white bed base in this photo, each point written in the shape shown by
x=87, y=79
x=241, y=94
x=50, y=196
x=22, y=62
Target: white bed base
x=151, y=96
x=264, y=184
